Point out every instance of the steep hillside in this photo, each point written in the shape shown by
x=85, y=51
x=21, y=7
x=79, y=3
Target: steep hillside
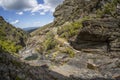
x=11, y=67
x=11, y=38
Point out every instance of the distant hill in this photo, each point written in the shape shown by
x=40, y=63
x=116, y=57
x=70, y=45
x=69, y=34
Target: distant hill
x=30, y=29
x=11, y=38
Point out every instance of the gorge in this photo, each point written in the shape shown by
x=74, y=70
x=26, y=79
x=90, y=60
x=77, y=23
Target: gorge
x=82, y=43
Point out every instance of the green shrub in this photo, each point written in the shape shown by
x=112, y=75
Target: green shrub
x=109, y=9
x=49, y=42
x=9, y=46
x=71, y=29
x=69, y=51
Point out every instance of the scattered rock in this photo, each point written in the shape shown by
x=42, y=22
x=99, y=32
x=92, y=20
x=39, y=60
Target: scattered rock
x=91, y=66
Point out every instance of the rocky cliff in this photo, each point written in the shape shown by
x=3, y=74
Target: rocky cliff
x=100, y=33
x=72, y=10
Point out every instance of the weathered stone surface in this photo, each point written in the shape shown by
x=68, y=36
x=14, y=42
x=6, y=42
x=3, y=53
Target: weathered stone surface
x=100, y=33
x=12, y=69
x=89, y=66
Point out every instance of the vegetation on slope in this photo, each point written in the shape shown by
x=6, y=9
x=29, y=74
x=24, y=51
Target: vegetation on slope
x=70, y=30
x=49, y=42
x=40, y=30
x=11, y=39
x=9, y=46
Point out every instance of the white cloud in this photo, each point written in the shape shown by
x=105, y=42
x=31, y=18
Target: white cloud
x=30, y=5
x=0, y=3
x=53, y=3
x=41, y=8
x=42, y=13
x=19, y=13
x=33, y=14
x=15, y=22
x=18, y=4
x=48, y=6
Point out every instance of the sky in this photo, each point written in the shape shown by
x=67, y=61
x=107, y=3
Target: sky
x=28, y=13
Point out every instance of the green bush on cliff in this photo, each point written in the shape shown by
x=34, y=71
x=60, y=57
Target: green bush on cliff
x=9, y=46
x=110, y=9
x=68, y=51
x=69, y=30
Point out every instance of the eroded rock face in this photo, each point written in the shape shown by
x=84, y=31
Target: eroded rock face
x=71, y=10
x=12, y=69
x=102, y=33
